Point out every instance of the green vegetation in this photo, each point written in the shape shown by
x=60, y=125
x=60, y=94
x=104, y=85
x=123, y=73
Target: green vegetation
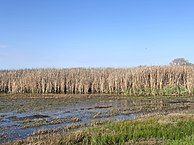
x=138, y=81
x=141, y=130
x=176, y=129
x=165, y=91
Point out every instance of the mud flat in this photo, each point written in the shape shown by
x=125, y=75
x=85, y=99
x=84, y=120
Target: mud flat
x=22, y=117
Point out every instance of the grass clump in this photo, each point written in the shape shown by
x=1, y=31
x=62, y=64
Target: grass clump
x=36, y=123
x=141, y=130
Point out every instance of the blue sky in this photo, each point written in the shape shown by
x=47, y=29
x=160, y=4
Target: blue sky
x=94, y=33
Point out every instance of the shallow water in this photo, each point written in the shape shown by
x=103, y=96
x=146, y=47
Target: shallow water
x=19, y=118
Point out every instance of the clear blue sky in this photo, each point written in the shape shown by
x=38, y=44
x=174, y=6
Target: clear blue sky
x=94, y=33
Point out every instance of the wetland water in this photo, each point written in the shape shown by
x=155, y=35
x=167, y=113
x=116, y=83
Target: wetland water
x=22, y=116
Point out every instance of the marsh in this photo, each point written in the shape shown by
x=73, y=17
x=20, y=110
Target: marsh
x=22, y=116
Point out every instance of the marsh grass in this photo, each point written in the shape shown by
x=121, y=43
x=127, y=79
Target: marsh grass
x=169, y=129
x=36, y=123
x=119, y=133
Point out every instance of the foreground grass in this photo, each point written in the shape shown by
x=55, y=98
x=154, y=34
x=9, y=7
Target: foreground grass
x=173, y=130
x=176, y=129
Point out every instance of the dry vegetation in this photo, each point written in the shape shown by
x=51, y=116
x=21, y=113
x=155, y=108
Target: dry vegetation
x=153, y=80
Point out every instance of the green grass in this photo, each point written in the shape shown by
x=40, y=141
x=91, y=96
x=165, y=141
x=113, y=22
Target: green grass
x=165, y=91
x=141, y=130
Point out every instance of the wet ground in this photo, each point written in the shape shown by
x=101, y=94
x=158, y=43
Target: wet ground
x=20, y=117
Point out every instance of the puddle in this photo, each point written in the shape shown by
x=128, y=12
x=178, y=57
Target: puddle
x=55, y=113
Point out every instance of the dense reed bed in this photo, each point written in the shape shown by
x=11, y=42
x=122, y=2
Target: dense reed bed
x=152, y=80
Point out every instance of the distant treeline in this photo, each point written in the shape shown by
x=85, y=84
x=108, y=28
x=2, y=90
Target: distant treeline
x=145, y=81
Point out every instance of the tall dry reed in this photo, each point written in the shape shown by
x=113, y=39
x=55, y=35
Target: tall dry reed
x=152, y=80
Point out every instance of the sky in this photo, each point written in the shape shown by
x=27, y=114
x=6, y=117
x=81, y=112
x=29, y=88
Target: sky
x=94, y=33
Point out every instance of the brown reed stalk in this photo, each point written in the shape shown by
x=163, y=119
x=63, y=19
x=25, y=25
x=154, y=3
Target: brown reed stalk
x=148, y=80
